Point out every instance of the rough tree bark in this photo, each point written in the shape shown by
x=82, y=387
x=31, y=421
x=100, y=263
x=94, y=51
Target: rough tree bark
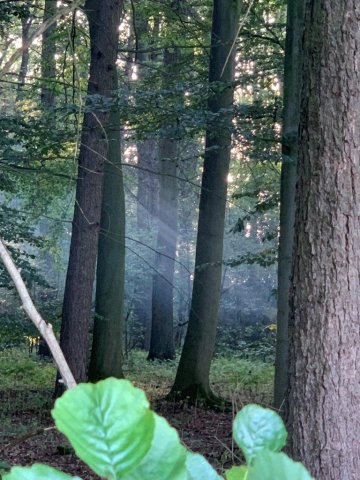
x=192, y=377
x=290, y=143
x=104, y=19
x=324, y=390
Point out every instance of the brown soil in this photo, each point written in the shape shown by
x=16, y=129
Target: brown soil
x=205, y=431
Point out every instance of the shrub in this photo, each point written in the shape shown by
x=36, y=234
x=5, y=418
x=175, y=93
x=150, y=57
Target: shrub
x=253, y=342
x=113, y=430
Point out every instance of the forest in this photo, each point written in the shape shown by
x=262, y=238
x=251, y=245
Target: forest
x=179, y=239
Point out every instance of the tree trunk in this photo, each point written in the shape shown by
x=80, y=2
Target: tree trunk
x=291, y=117
x=107, y=353
x=162, y=329
x=192, y=378
x=324, y=391
x=162, y=344
x=48, y=63
x=25, y=34
x=147, y=195
x=104, y=20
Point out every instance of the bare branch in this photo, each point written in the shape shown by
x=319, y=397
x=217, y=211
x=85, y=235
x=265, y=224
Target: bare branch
x=43, y=27
x=44, y=328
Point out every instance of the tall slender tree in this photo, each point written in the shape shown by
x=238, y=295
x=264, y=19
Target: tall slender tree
x=26, y=22
x=192, y=377
x=48, y=51
x=106, y=354
x=147, y=184
x=324, y=390
x=162, y=327
x=104, y=20
x=290, y=145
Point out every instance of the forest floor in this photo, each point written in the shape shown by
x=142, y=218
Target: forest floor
x=26, y=399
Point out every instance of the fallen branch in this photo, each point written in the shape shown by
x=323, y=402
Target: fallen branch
x=45, y=329
x=27, y=436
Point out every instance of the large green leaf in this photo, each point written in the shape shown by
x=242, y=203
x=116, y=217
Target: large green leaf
x=37, y=472
x=109, y=424
x=275, y=465
x=256, y=429
x=198, y=468
x=166, y=458
x=237, y=473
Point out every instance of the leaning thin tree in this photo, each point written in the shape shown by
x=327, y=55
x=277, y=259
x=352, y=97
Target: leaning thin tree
x=324, y=353
x=45, y=329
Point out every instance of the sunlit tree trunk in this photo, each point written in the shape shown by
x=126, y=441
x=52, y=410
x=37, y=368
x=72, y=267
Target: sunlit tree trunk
x=192, y=378
x=147, y=192
x=26, y=22
x=104, y=19
x=48, y=62
x=291, y=117
x=162, y=328
x=324, y=389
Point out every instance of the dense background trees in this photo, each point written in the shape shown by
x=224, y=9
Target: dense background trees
x=146, y=152
x=158, y=104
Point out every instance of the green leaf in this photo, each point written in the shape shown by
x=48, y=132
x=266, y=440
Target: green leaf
x=166, y=458
x=37, y=472
x=198, y=468
x=237, y=473
x=275, y=465
x=109, y=424
x=256, y=429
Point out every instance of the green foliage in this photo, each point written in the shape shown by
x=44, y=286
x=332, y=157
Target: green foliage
x=38, y=472
x=275, y=465
x=258, y=429
x=19, y=371
x=170, y=455
x=252, y=342
x=112, y=428
x=197, y=468
x=237, y=473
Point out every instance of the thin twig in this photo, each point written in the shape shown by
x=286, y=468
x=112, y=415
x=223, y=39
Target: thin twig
x=43, y=27
x=242, y=23
x=27, y=436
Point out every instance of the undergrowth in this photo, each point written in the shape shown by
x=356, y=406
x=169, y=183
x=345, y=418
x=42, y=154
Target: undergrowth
x=26, y=382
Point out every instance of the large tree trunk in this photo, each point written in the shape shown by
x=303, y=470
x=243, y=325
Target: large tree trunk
x=324, y=389
x=48, y=63
x=107, y=353
x=291, y=116
x=192, y=378
x=104, y=19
